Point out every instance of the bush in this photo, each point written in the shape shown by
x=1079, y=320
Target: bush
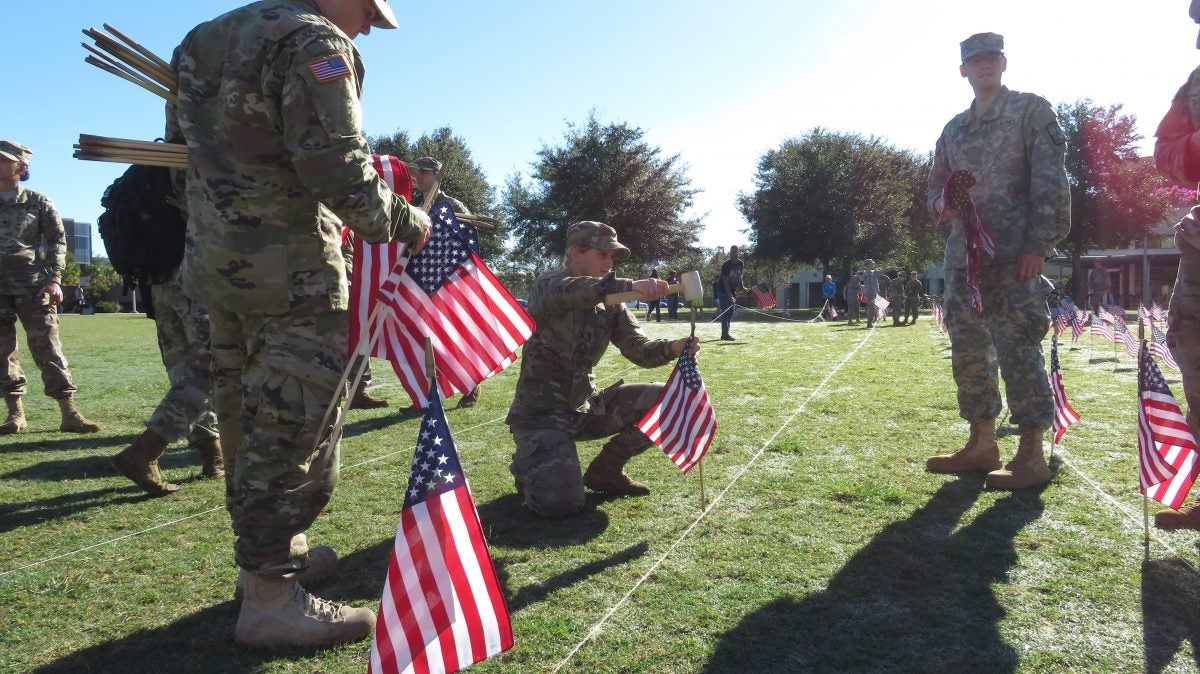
x=106, y=307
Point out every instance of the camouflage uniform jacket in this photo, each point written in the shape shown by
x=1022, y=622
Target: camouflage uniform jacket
x=33, y=243
x=574, y=329
x=872, y=279
x=913, y=291
x=1171, y=157
x=895, y=291
x=1015, y=150
x=268, y=105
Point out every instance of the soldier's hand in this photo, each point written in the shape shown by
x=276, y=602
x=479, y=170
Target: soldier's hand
x=422, y=219
x=1029, y=266
x=50, y=294
x=677, y=346
x=651, y=288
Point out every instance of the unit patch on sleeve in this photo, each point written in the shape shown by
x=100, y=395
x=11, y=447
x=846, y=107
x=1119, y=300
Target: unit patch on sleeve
x=330, y=68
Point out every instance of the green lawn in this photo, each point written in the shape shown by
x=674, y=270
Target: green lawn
x=827, y=547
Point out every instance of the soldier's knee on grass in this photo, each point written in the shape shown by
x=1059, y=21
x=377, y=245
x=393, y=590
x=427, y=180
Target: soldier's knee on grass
x=561, y=498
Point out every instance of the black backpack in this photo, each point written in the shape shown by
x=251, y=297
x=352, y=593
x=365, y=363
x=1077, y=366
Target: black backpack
x=142, y=227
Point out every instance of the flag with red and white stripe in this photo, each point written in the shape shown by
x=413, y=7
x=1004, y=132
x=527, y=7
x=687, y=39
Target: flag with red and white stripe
x=1064, y=414
x=443, y=608
x=763, y=295
x=682, y=421
x=1158, y=347
x=1167, y=449
x=881, y=306
x=374, y=262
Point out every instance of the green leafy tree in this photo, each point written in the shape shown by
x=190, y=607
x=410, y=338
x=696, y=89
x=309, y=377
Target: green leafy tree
x=70, y=275
x=1116, y=196
x=101, y=277
x=462, y=178
x=603, y=172
x=839, y=196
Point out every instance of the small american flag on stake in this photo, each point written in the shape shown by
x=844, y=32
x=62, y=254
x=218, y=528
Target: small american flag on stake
x=1158, y=347
x=1166, y=446
x=682, y=421
x=764, y=296
x=1064, y=415
x=442, y=608
x=881, y=305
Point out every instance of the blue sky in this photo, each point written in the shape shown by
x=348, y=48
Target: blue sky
x=718, y=83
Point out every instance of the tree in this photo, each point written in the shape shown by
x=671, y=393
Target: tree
x=70, y=274
x=605, y=173
x=1116, y=197
x=837, y=196
x=462, y=178
x=101, y=277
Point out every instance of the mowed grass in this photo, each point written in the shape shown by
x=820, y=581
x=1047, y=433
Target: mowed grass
x=829, y=549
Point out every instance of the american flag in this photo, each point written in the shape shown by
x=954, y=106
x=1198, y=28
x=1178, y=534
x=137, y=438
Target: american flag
x=1101, y=328
x=764, y=296
x=1166, y=447
x=939, y=315
x=1064, y=415
x=1104, y=315
x=1061, y=321
x=1122, y=336
x=881, y=305
x=442, y=608
x=373, y=262
x=682, y=421
x=1157, y=312
x=1143, y=313
x=446, y=293
x=1158, y=347
x=833, y=312
x=1116, y=314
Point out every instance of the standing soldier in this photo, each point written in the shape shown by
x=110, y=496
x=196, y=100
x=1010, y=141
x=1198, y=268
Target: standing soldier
x=556, y=401
x=913, y=290
x=1097, y=285
x=896, y=294
x=34, y=250
x=268, y=105
x=1011, y=144
x=1177, y=155
x=871, y=279
x=854, y=287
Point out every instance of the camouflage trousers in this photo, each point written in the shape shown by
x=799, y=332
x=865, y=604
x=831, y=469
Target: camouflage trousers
x=546, y=463
x=41, y=331
x=912, y=307
x=273, y=377
x=852, y=305
x=871, y=310
x=1183, y=335
x=1009, y=335
x=183, y=341
x=897, y=311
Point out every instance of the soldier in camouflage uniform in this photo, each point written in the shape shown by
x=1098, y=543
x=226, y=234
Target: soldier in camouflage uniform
x=269, y=107
x=913, y=290
x=1012, y=144
x=426, y=175
x=1177, y=155
x=896, y=296
x=556, y=401
x=871, y=278
x=186, y=409
x=853, y=286
x=32, y=256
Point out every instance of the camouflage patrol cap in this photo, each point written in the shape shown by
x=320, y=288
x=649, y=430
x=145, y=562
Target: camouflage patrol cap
x=386, y=18
x=981, y=43
x=15, y=152
x=428, y=164
x=589, y=234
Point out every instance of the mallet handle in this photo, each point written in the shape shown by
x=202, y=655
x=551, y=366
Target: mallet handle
x=621, y=298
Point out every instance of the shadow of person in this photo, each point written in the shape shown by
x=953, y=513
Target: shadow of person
x=1170, y=611
x=538, y=591
x=57, y=441
x=918, y=597
x=508, y=523
x=28, y=513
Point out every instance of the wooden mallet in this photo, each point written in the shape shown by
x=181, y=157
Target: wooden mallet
x=689, y=284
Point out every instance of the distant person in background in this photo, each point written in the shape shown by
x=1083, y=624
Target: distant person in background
x=1097, y=286
x=673, y=298
x=828, y=291
x=1177, y=156
x=655, y=306
x=729, y=284
x=871, y=280
x=33, y=253
x=913, y=291
x=896, y=295
x=854, y=288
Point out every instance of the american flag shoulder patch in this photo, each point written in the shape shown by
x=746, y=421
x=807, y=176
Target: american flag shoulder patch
x=330, y=68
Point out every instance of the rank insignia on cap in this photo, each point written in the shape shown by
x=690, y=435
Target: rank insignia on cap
x=330, y=69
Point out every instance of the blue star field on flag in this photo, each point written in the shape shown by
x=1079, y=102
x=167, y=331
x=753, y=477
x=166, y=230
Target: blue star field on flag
x=435, y=468
x=443, y=255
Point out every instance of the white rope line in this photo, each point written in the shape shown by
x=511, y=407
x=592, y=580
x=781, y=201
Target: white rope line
x=595, y=629
x=221, y=507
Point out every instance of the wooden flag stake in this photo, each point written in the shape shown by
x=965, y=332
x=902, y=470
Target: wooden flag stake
x=430, y=363
x=700, y=463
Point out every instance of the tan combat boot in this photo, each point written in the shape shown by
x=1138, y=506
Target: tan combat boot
x=1187, y=517
x=605, y=474
x=471, y=398
x=980, y=452
x=278, y=612
x=15, y=423
x=72, y=420
x=361, y=400
x=139, y=463
x=1028, y=467
x=212, y=464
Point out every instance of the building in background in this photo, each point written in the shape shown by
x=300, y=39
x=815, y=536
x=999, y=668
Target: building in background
x=79, y=239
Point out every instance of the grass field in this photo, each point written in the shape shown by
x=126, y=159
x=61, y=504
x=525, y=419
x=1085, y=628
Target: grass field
x=826, y=548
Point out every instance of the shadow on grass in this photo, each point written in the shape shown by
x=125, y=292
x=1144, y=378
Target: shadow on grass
x=1170, y=611
x=536, y=592
x=51, y=441
x=918, y=597
x=508, y=523
x=16, y=515
x=92, y=467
